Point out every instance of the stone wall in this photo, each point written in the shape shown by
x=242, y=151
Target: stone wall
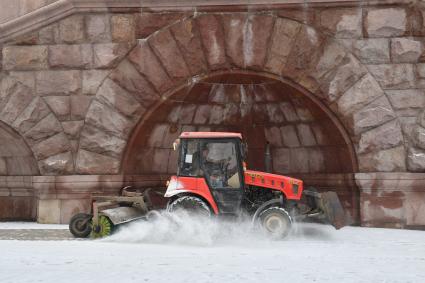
x=80, y=89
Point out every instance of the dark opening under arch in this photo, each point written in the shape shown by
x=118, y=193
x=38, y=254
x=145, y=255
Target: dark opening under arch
x=16, y=163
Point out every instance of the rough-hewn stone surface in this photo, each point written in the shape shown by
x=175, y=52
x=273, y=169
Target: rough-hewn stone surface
x=51, y=146
x=304, y=56
x=92, y=79
x=47, y=127
x=60, y=164
x=234, y=33
x=386, y=136
x=60, y=106
x=24, y=57
x=98, y=28
x=107, y=55
x=386, y=22
x=419, y=137
x=212, y=36
x=283, y=37
x=127, y=77
x=35, y=111
x=420, y=75
x=416, y=159
x=90, y=163
x=96, y=140
x=123, y=28
x=147, y=64
x=376, y=113
x=79, y=105
x=71, y=56
x=341, y=79
x=373, y=50
x=344, y=23
x=148, y=23
x=109, y=119
x=358, y=96
x=406, y=98
x=404, y=50
x=189, y=42
x=71, y=30
x=19, y=98
x=389, y=160
x=393, y=76
x=116, y=97
x=257, y=35
x=72, y=128
x=58, y=82
x=165, y=48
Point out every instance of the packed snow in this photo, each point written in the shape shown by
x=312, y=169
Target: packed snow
x=173, y=250
x=30, y=225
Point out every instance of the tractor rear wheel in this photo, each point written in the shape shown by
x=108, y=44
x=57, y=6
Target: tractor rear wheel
x=194, y=206
x=276, y=222
x=80, y=225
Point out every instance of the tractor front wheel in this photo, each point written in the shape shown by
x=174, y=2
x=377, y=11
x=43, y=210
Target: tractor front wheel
x=191, y=205
x=276, y=222
x=80, y=225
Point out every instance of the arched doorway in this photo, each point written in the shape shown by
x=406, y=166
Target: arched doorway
x=306, y=140
x=16, y=163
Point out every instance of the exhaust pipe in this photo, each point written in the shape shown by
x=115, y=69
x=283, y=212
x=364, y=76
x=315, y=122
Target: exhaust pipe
x=268, y=158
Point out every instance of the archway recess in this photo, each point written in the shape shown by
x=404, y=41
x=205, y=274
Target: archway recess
x=305, y=138
x=16, y=162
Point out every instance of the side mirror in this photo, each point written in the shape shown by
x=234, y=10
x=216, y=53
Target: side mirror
x=244, y=150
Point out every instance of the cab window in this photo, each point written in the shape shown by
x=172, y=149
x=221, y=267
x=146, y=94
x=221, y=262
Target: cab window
x=189, y=158
x=219, y=161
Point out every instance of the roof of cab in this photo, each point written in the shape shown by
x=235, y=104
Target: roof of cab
x=203, y=135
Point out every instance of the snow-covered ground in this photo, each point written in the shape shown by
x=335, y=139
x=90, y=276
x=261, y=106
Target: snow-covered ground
x=30, y=225
x=219, y=252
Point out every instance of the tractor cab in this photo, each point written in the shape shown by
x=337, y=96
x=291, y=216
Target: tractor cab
x=214, y=160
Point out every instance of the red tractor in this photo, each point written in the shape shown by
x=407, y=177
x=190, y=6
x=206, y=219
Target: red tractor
x=212, y=179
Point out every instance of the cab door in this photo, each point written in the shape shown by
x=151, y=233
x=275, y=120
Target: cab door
x=221, y=167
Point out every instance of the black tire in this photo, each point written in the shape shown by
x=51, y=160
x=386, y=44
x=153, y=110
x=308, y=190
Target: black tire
x=190, y=204
x=80, y=225
x=276, y=222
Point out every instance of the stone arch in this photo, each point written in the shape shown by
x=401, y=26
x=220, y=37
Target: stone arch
x=31, y=117
x=192, y=48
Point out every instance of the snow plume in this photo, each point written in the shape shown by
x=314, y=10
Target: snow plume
x=182, y=229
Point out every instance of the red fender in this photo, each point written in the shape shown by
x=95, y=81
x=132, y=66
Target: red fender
x=192, y=185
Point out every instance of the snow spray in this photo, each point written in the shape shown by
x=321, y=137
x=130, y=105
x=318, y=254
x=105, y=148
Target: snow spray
x=179, y=228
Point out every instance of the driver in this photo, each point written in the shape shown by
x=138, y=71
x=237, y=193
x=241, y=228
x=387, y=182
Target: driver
x=196, y=166
x=214, y=168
